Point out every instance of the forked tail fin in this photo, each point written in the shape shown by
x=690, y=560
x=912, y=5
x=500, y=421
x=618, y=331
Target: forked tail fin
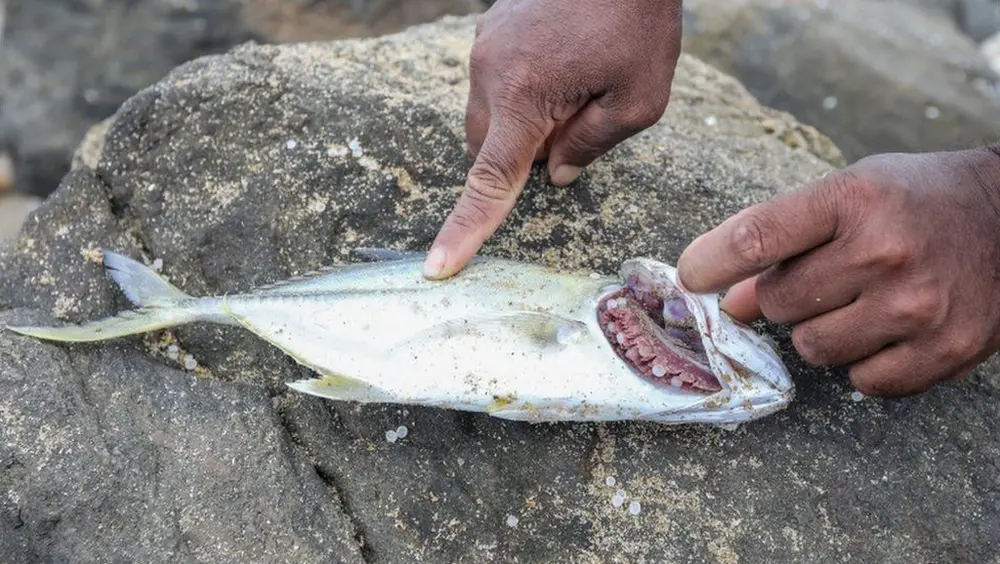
x=141, y=285
x=161, y=305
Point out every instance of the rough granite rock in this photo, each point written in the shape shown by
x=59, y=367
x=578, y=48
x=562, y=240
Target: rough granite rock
x=68, y=64
x=875, y=76
x=242, y=169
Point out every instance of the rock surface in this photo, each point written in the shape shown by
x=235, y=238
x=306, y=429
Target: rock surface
x=67, y=64
x=238, y=170
x=991, y=50
x=980, y=19
x=875, y=76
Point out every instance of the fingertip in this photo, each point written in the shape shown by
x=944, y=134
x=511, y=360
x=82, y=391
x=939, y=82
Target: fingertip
x=436, y=262
x=687, y=268
x=740, y=302
x=565, y=174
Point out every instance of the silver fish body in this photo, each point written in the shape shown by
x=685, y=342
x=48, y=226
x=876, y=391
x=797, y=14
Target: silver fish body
x=515, y=340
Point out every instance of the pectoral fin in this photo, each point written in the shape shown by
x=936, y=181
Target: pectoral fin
x=539, y=327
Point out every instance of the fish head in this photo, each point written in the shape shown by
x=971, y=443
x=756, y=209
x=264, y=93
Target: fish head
x=714, y=367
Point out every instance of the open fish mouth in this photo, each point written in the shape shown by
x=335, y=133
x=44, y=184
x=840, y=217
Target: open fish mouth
x=648, y=324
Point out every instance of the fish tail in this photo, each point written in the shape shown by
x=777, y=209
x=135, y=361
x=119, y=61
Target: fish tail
x=141, y=285
x=124, y=324
x=161, y=305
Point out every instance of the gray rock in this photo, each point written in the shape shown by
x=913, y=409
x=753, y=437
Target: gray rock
x=67, y=64
x=991, y=50
x=874, y=76
x=109, y=456
x=233, y=171
x=945, y=8
x=979, y=18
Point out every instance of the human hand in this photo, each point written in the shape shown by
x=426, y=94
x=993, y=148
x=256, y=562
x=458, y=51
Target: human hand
x=566, y=79
x=891, y=266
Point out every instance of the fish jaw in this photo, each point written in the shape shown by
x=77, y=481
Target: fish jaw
x=754, y=380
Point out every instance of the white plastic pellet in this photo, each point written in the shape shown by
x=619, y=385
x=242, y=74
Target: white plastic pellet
x=355, y=146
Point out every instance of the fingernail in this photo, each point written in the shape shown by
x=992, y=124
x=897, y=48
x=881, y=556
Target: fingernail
x=434, y=264
x=565, y=174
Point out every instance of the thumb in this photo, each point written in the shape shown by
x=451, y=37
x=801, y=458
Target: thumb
x=740, y=301
x=493, y=185
x=593, y=131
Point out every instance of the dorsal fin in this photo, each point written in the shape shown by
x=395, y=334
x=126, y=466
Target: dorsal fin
x=379, y=254
x=369, y=254
x=312, y=274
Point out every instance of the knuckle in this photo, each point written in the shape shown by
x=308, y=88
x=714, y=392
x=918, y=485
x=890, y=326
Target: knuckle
x=849, y=191
x=750, y=243
x=894, y=253
x=773, y=296
x=586, y=141
x=489, y=180
x=471, y=211
x=958, y=348
x=639, y=116
x=918, y=307
x=479, y=59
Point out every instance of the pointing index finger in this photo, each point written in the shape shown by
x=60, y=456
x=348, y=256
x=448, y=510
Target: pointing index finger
x=493, y=185
x=760, y=236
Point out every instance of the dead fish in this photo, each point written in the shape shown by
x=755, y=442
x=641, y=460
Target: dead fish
x=516, y=340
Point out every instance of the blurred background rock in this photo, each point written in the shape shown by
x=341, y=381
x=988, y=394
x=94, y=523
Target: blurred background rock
x=875, y=76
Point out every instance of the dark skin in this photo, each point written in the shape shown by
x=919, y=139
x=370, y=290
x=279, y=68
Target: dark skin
x=547, y=82
x=890, y=266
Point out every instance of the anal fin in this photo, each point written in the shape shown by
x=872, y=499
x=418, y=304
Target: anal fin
x=342, y=388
